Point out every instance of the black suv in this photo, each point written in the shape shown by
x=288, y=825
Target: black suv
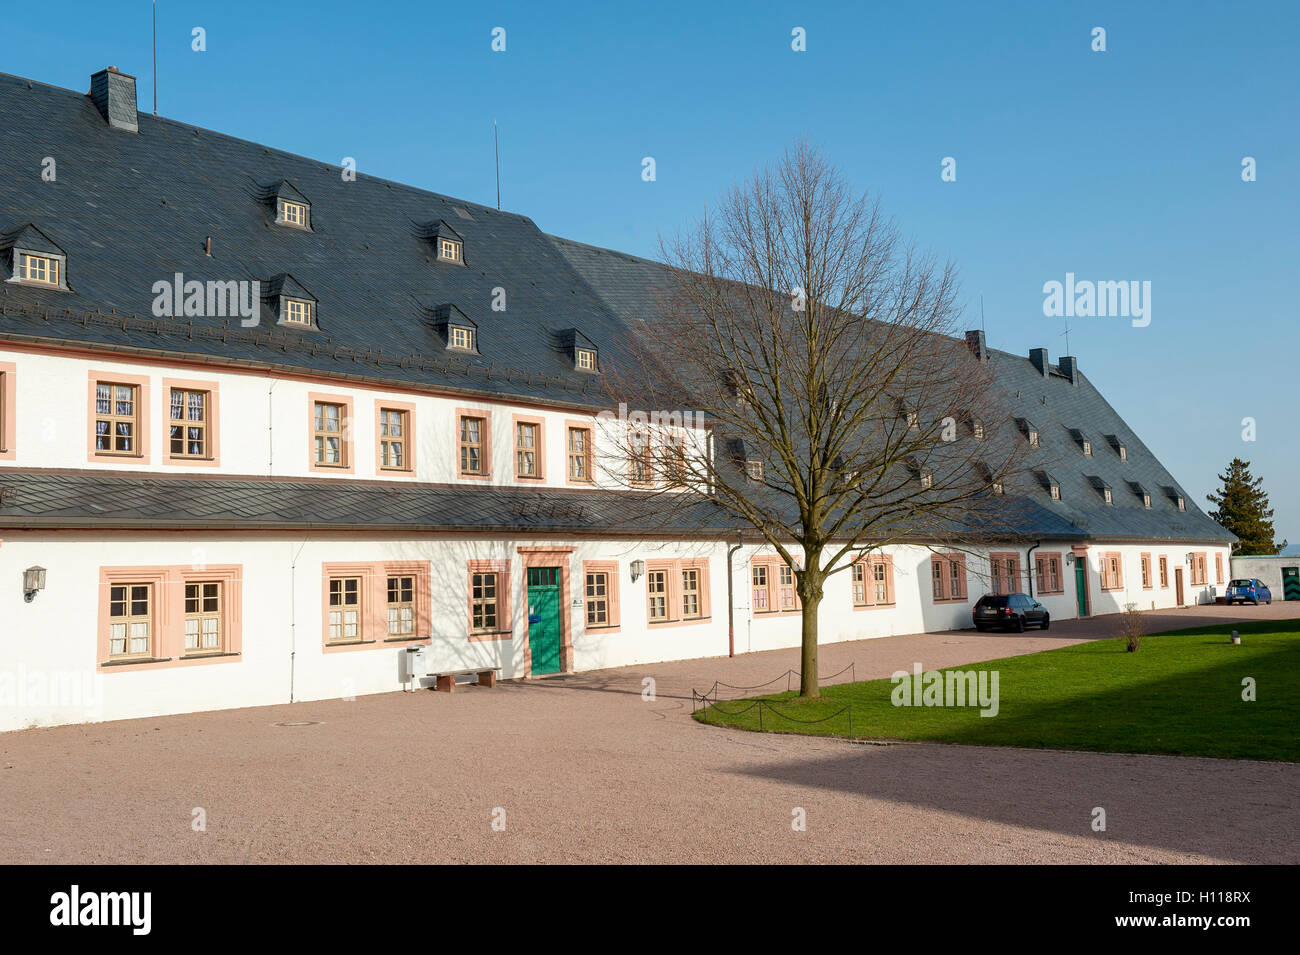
x=1015, y=611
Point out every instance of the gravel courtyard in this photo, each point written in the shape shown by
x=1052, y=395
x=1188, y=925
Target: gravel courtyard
x=587, y=771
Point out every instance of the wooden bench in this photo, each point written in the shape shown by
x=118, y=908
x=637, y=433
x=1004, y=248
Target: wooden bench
x=446, y=679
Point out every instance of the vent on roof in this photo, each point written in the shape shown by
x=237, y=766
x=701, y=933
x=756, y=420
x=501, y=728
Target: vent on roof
x=113, y=94
x=462, y=212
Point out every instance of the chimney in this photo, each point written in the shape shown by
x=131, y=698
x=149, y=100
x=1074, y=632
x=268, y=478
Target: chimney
x=1038, y=356
x=1069, y=368
x=113, y=94
x=975, y=342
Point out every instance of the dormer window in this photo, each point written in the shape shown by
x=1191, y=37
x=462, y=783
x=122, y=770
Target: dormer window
x=1123, y=453
x=292, y=213
x=1106, y=495
x=461, y=338
x=296, y=312
x=1113, y=441
x=997, y=488
x=42, y=269
x=1055, y=491
x=1050, y=484
x=29, y=257
x=1146, y=501
x=1087, y=449
x=449, y=250
x=291, y=302
x=977, y=430
x=1029, y=431
x=754, y=470
x=1182, y=505
x=579, y=349
x=457, y=331
x=927, y=479
x=291, y=207
x=586, y=361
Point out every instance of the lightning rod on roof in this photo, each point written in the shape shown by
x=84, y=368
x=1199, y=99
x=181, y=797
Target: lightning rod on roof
x=496, y=151
x=155, y=57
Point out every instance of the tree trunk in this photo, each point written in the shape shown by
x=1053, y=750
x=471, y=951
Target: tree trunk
x=811, y=597
x=808, y=684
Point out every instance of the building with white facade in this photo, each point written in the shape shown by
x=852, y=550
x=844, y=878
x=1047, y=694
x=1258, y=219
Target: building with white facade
x=264, y=426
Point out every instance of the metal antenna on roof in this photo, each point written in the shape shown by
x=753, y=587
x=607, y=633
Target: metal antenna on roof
x=155, y=57
x=982, y=328
x=496, y=150
x=1067, y=338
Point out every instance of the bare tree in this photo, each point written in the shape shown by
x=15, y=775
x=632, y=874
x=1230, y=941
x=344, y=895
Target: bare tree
x=817, y=344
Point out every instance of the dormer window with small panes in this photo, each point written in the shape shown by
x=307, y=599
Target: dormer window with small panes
x=293, y=213
x=1050, y=484
x=454, y=327
x=292, y=304
x=449, y=250
x=296, y=312
x=1029, y=431
x=448, y=246
x=292, y=209
x=32, y=259
x=580, y=350
x=1114, y=442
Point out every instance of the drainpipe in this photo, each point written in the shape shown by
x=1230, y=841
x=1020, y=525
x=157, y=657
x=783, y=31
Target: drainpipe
x=270, y=431
x=731, y=599
x=1029, y=565
x=293, y=616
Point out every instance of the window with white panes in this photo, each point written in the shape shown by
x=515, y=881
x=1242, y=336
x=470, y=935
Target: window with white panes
x=401, y=606
x=392, y=439
x=344, y=609
x=188, y=425
x=203, y=617
x=117, y=418
x=130, y=621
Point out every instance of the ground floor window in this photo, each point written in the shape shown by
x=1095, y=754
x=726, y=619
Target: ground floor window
x=130, y=629
x=203, y=616
x=344, y=609
x=401, y=605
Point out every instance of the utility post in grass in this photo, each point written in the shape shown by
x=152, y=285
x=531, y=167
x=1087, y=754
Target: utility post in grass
x=843, y=416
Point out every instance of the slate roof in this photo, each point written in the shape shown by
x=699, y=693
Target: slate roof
x=108, y=499
x=635, y=288
x=132, y=209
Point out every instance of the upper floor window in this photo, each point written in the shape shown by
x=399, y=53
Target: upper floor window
x=1055, y=491
x=297, y=312
x=586, y=359
x=292, y=213
x=449, y=250
x=328, y=437
x=188, y=426
x=117, y=418
x=392, y=439
x=42, y=269
x=1087, y=449
x=580, y=454
x=527, y=443
x=473, y=445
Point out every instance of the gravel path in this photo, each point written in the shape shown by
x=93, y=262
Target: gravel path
x=587, y=771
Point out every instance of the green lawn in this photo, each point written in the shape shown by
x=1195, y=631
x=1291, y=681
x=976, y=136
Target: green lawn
x=1180, y=693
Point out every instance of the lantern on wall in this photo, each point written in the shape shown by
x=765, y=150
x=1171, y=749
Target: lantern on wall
x=33, y=581
x=638, y=568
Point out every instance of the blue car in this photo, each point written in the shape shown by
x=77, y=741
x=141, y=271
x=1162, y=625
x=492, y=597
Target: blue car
x=1251, y=589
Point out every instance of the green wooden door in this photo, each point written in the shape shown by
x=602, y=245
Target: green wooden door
x=1291, y=583
x=544, y=618
x=1081, y=585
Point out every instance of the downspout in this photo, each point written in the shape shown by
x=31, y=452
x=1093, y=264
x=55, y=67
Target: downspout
x=270, y=431
x=731, y=600
x=293, y=616
x=1029, y=565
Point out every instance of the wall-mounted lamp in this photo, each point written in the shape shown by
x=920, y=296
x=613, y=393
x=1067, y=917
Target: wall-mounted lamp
x=1189, y=558
x=1069, y=559
x=638, y=568
x=33, y=580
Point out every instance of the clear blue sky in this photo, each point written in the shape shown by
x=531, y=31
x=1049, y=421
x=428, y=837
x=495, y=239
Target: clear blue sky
x=1117, y=165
